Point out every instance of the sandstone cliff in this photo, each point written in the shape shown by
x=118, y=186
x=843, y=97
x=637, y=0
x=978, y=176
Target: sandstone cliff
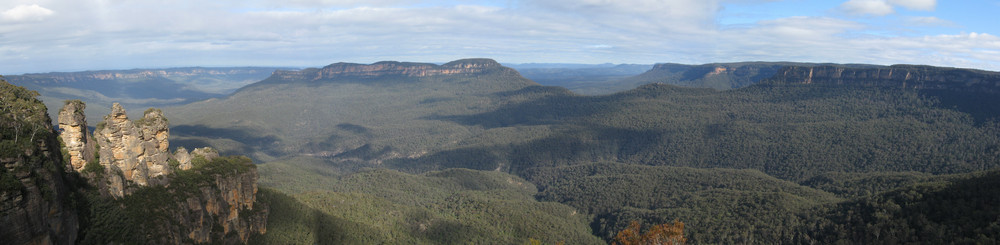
x=34, y=196
x=899, y=76
x=720, y=76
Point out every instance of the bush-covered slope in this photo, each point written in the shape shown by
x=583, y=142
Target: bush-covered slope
x=792, y=132
x=455, y=206
x=718, y=206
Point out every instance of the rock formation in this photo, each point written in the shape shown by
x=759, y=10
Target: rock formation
x=223, y=211
x=42, y=203
x=75, y=136
x=183, y=158
x=229, y=203
x=137, y=150
x=216, y=199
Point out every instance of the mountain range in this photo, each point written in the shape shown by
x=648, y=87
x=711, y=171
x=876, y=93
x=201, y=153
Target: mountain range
x=138, y=88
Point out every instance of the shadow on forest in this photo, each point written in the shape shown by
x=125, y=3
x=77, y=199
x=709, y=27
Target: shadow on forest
x=251, y=142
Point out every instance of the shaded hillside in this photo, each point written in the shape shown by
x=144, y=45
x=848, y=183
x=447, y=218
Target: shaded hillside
x=138, y=88
x=961, y=210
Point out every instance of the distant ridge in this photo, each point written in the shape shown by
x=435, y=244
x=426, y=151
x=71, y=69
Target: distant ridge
x=720, y=76
x=138, y=88
x=902, y=76
x=723, y=76
x=390, y=68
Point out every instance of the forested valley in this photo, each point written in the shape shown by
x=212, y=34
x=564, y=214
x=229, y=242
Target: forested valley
x=471, y=152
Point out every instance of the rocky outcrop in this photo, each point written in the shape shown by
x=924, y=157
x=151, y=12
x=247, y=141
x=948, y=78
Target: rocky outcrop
x=35, y=205
x=185, y=159
x=135, y=151
x=899, y=76
x=214, y=202
x=75, y=136
x=392, y=68
x=155, y=131
x=224, y=211
x=230, y=202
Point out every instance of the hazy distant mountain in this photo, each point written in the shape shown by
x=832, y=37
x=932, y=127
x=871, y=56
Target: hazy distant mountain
x=386, y=108
x=582, y=79
x=138, y=88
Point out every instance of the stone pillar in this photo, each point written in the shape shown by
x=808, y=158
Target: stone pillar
x=77, y=140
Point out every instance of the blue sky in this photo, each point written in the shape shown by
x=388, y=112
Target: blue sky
x=74, y=35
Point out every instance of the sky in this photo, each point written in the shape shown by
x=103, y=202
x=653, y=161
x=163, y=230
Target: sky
x=76, y=35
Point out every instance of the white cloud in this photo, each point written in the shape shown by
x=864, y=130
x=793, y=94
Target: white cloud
x=867, y=7
x=925, y=5
x=26, y=13
x=885, y=7
x=928, y=21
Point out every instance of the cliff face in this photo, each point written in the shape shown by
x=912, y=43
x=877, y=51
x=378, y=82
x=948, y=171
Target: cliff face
x=392, y=68
x=230, y=204
x=720, y=76
x=223, y=211
x=34, y=195
x=900, y=76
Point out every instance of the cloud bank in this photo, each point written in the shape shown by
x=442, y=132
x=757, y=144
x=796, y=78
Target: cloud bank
x=64, y=35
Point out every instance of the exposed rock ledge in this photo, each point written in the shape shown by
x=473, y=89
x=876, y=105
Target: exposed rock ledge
x=901, y=76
